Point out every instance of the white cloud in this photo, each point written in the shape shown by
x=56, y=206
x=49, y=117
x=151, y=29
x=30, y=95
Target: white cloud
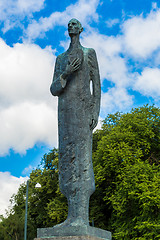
x=112, y=66
x=112, y=22
x=142, y=34
x=148, y=83
x=28, y=112
x=83, y=10
x=12, y=12
x=8, y=185
x=23, y=125
x=25, y=73
x=29, y=5
x=116, y=99
x=28, y=170
x=99, y=125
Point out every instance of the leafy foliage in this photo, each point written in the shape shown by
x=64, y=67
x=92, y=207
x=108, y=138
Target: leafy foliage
x=40, y=200
x=126, y=164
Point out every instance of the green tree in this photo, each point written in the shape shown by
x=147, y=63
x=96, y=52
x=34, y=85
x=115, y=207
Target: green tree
x=126, y=164
x=42, y=202
x=11, y=228
x=47, y=205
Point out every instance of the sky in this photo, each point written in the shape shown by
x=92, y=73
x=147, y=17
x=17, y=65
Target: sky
x=126, y=37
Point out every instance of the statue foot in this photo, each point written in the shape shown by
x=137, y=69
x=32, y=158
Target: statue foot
x=71, y=222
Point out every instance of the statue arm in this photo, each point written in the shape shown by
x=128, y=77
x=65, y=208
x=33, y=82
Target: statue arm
x=60, y=78
x=58, y=83
x=96, y=95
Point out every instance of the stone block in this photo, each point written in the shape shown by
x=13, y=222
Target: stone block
x=71, y=238
x=73, y=231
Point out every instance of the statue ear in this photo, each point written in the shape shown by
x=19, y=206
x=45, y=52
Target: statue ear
x=81, y=30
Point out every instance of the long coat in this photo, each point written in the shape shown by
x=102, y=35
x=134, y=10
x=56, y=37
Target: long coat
x=78, y=105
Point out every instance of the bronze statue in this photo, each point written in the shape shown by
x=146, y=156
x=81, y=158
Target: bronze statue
x=78, y=110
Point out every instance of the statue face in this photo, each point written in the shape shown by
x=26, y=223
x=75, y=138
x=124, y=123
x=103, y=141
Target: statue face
x=73, y=27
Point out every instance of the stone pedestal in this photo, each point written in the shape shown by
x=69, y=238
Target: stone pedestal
x=71, y=238
x=73, y=233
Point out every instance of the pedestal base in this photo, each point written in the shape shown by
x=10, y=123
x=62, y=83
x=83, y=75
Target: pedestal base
x=71, y=238
x=73, y=232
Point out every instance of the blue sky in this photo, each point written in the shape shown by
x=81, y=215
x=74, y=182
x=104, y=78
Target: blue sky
x=126, y=37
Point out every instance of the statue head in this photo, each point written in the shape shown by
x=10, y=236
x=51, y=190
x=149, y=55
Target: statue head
x=74, y=27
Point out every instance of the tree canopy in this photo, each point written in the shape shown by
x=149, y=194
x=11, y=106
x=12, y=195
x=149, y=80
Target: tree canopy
x=126, y=160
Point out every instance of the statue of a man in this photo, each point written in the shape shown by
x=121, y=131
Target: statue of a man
x=78, y=110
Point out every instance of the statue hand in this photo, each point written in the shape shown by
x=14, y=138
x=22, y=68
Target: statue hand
x=93, y=123
x=72, y=67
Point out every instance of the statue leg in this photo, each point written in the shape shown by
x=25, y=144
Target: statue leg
x=76, y=179
x=78, y=209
